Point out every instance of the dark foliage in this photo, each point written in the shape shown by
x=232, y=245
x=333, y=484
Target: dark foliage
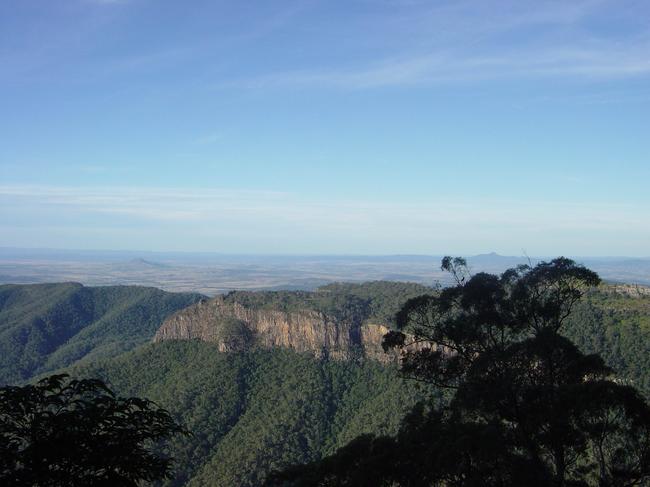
x=77, y=432
x=616, y=326
x=253, y=412
x=528, y=407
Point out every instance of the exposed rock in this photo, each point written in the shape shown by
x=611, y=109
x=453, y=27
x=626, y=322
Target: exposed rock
x=631, y=290
x=235, y=327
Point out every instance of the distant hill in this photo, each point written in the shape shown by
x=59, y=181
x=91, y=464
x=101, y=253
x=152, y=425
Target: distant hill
x=137, y=265
x=212, y=274
x=47, y=326
x=140, y=262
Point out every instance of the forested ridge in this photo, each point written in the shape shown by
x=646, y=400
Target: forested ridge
x=47, y=326
x=376, y=301
x=526, y=406
x=615, y=325
x=256, y=411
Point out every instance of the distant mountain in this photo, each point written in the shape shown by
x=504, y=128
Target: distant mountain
x=146, y=263
x=135, y=266
x=47, y=326
x=213, y=274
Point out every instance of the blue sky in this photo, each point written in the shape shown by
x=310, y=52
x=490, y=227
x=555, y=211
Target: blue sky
x=355, y=126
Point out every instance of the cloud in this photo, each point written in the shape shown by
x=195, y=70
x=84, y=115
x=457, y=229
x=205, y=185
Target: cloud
x=213, y=205
x=444, y=67
x=159, y=204
x=208, y=139
x=251, y=220
x=474, y=41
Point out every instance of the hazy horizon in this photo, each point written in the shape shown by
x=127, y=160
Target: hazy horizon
x=212, y=273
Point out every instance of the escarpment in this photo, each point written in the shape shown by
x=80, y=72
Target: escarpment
x=234, y=327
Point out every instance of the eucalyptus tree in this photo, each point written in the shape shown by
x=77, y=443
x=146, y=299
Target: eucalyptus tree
x=526, y=406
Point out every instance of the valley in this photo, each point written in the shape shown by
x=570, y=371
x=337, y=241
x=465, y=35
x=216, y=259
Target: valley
x=256, y=401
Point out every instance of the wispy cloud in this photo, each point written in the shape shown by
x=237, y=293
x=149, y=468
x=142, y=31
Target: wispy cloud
x=471, y=41
x=209, y=138
x=161, y=204
x=211, y=205
x=251, y=221
x=449, y=67
x=605, y=62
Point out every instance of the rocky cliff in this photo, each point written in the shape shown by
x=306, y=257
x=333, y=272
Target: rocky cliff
x=234, y=327
x=631, y=290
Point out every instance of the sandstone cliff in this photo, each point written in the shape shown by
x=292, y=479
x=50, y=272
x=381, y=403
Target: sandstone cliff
x=234, y=327
x=631, y=290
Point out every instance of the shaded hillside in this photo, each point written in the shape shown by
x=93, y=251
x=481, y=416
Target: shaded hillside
x=343, y=319
x=251, y=412
x=614, y=321
x=256, y=410
x=47, y=326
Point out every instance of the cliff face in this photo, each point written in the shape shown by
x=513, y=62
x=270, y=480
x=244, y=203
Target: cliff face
x=235, y=327
x=631, y=290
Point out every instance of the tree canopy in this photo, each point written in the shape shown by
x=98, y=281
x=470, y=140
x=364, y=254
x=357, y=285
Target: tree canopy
x=77, y=432
x=527, y=407
x=45, y=327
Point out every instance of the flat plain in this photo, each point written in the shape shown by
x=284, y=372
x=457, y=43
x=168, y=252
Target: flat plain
x=212, y=273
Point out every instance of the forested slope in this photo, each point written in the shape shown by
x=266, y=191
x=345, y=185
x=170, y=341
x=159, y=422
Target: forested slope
x=375, y=301
x=47, y=326
x=257, y=410
x=251, y=412
x=614, y=321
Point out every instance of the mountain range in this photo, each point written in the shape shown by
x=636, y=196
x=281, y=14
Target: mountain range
x=262, y=379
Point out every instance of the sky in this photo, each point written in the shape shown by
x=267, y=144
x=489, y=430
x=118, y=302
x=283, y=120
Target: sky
x=317, y=127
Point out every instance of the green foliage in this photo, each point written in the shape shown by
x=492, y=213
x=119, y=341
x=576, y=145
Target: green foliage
x=47, y=326
x=258, y=411
x=616, y=326
x=77, y=432
x=528, y=407
x=377, y=301
x=253, y=412
x=384, y=298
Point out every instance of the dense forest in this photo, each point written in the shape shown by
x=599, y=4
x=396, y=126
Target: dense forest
x=256, y=411
x=615, y=325
x=260, y=410
x=44, y=327
x=526, y=406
